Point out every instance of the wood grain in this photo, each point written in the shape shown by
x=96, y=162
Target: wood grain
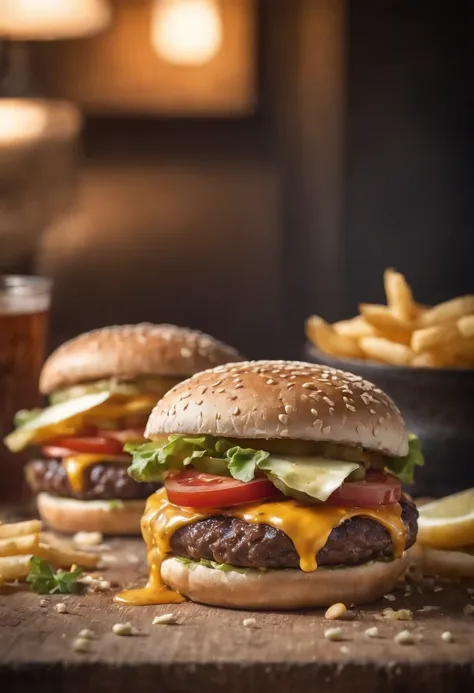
x=211, y=648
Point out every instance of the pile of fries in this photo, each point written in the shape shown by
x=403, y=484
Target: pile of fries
x=403, y=332
x=20, y=541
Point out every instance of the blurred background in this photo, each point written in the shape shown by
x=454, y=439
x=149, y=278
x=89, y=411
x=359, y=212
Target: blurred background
x=234, y=165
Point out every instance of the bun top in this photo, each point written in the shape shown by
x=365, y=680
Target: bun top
x=130, y=351
x=282, y=399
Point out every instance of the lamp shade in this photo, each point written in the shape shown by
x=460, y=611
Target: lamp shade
x=52, y=19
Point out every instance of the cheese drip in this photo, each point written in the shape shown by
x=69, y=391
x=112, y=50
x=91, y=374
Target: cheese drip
x=308, y=527
x=75, y=466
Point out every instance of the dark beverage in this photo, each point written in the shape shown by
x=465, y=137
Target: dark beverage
x=24, y=308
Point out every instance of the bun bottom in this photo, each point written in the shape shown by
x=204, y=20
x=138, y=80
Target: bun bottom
x=70, y=515
x=282, y=589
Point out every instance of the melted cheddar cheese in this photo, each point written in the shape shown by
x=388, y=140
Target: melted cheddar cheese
x=75, y=466
x=308, y=527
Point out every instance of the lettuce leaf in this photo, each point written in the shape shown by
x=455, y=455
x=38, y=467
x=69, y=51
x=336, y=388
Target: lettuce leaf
x=244, y=461
x=404, y=467
x=223, y=567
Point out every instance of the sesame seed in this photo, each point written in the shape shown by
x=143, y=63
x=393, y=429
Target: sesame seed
x=86, y=633
x=186, y=406
x=318, y=423
x=326, y=430
x=404, y=638
x=334, y=634
x=283, y=418
x=82, y=645
x=221, y=390
x=309, y=386
x=199, y=402
x=350, y=407
x=335, y=611
x=314, y=412
x=165, y=620
x=328, y=401
x=390, y=597
x=238, y=387
x=249, y=623
x=236, y=411
x=203, y=389
x=122, y=629
x=233, y=398
x=447, y=636
x=289, y=409
x=372, y=411
x=284, y=432
x=270, y=381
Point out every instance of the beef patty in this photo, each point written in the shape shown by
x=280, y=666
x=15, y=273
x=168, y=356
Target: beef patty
x=233, y=541
x=101, y=481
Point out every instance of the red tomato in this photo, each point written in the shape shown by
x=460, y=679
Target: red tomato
x=52, y=451
x=129, y=435
x=197, y=490
x=377, y=489
x=95, y=445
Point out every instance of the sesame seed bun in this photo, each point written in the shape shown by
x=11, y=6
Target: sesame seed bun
x=282, y=399
x=70, y=515
x=283, y=589
x=130, y=351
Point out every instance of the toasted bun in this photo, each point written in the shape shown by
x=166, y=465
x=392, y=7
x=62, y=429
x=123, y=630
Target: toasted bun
x=129, y=351
x=70, y=515
x=282, y=589
x=282, y=399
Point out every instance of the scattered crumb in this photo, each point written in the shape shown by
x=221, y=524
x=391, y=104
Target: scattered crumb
x=61, y=608
x=468, y=610
x=334, y=634
x=249, y=623
x=87, y=634
x=447, y=636
x=165, y=620
x=404, y=638
x=438, y=588
x=82, y=645
x=132, y=558
x=123, y=629
x=44, y=602
x=390, y=597
x=400, y=615
x=87, y=539
x=344, y=650
x=335, y=611
x=427, y=609
x=373, y=632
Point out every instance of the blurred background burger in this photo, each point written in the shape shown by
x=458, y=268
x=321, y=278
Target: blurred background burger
x=102, y=387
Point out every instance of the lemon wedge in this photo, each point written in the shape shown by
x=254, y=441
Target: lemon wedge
x=448, y=523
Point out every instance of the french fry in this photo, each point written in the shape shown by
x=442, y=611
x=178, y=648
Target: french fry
x=64, y=557
x=399, y=295
x=19, y=546
x=355, y=328
x=381, y=349
x=17, y=529
x=432, y=337
x=14, y=568
x=449, y=310
x=428, y=359
x=386, y=323
x=466, y=326
x=451, y=564
x=322, y=334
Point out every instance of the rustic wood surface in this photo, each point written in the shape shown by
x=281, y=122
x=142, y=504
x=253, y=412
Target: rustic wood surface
x=209, y=649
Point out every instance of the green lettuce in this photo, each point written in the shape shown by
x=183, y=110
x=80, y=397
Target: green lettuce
x=223, y=567
x=404, y=467
x=152, y=461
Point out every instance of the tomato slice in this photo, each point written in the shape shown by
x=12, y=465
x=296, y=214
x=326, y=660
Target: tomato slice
x=376, y=489
x=128, y=435
x=195, y=489
x=95, y=445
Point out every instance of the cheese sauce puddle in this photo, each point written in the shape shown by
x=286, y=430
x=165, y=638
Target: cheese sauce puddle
x=308, y=527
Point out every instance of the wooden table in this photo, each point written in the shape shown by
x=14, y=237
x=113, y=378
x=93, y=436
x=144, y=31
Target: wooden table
x=210, y=649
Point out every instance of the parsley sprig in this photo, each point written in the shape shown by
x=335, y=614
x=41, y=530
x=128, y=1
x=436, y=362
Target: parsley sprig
x=44, y=580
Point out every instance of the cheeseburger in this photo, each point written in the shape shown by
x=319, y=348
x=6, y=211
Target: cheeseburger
x=102, y=387
x=282, y=489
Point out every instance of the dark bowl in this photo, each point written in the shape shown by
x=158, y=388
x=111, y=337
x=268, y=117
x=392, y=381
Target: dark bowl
x=438, y=405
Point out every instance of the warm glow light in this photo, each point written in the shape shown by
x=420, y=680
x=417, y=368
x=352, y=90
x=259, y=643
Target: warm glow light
x=186, y=32
x=52, y=19
x=20, y=122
